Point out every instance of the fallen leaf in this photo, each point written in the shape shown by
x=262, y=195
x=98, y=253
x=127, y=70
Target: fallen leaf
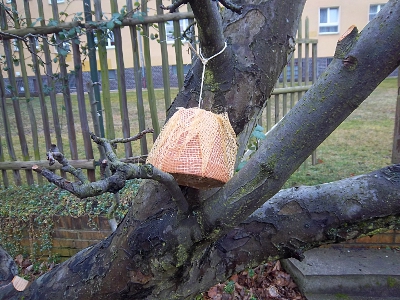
x=19, y=259
x=212, y=292
x=273, y=291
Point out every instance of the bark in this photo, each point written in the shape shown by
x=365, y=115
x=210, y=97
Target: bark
x=156, y=253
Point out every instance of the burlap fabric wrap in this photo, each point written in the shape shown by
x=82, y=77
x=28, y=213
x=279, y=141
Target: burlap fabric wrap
x=197, y=147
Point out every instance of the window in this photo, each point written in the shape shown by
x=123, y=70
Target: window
x=58, y=1
x=374, y=9
x=59, y=46
x=15, y=45
x=329, y=20
x=169, y=29
x=110, y=43
x=110, y=40
x=112, y=74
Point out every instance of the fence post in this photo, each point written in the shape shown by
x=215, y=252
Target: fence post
x=164, y=57
x=138, y=83
x=6, y=124
x=149, y=76
x=3, y=172
x=64, y=82
x=396, y=134
x=105, y=82
x=93, y=65
x=123, y=100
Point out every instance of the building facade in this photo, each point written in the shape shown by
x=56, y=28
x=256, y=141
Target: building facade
x=329, y=19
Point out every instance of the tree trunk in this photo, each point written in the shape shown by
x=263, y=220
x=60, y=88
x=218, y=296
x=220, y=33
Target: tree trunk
x=160, y=253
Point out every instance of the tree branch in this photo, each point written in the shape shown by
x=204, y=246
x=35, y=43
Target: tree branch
x=121, y=172
x=298, y=219
x=231, y=6
x=209, y=24
x=54, y=155
x=174, y=6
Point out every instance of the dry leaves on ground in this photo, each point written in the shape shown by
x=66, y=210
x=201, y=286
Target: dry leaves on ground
x=267, y=281
x=30, y=270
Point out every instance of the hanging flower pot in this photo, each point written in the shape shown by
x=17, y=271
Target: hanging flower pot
x=197, y=147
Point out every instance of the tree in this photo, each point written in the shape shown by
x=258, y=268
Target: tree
x=162, y=250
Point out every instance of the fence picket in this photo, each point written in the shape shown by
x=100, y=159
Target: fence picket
x=164, y=57
x=6, y=124
x=94, y=76
x=64, y=83
x=138, y=82
x=105, y=81
x=28, y=102
x=51, y=88
x=296, y=87
x=178, y=54
x=87, y=143
x=191, y=32
x=149, y=75
x=3, y=172
x=15, y=101
x=29, y=106
x=292, y=74
x=123, y=100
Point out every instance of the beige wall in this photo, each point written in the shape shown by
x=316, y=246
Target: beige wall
x=77, y=6
x=351, y=12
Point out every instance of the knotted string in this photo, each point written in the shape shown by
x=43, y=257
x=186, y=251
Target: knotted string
x=204, y=61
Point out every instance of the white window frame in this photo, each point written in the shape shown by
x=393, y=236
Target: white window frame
x=58, y=1
x=110, y=44
x=169, y=30
x=373, y=15
x=15, y=45
x=66, y=45
x=329, y=22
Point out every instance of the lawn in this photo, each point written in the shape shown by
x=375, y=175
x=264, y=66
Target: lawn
x=362, y=143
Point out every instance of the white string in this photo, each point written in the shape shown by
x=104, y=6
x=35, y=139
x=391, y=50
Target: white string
x=204, y=61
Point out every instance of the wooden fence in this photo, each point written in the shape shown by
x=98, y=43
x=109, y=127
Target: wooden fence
x=296, y=78
x=44, y=108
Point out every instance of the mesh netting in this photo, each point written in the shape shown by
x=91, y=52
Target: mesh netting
x=197, y=147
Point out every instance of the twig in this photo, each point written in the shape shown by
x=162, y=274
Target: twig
x=54, y=155
x=174, y=6
x=132, y=138
x=103, y=168
x=135, y=160
x=187, y=30
x=121, y=172
x=229, y=5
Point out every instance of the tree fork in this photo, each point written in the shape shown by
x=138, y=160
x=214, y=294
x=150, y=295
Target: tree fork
x=324, y=107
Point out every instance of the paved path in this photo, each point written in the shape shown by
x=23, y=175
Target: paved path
x=347, y=274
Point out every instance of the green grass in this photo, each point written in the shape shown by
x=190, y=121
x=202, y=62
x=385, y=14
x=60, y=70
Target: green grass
x=361, y=144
